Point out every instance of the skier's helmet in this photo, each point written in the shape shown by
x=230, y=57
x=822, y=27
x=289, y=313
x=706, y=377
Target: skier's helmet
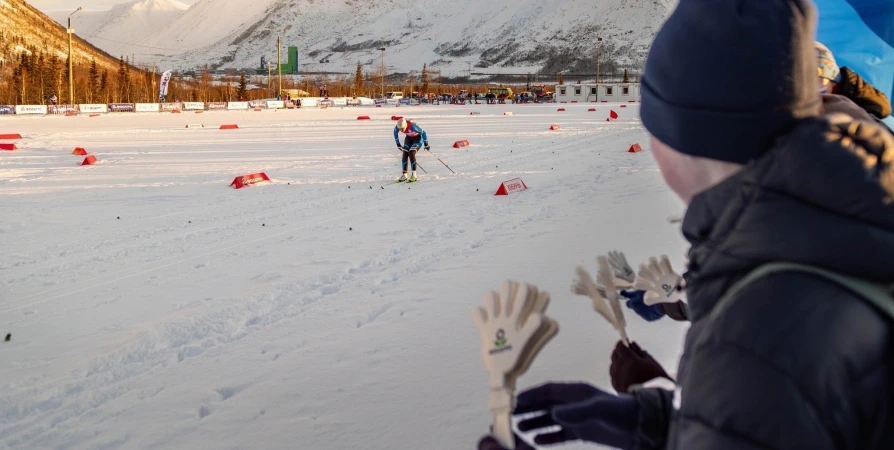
x=402, y=125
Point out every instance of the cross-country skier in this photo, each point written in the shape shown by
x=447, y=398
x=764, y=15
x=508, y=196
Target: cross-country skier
x=415, y=139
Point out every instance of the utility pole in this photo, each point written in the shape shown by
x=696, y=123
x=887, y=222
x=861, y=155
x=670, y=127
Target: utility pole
x=598, y=48
x=383, y=71
x=279, y=63
x=70, y=62
x=269, y=70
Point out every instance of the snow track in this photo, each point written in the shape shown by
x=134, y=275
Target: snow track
x=306, y=313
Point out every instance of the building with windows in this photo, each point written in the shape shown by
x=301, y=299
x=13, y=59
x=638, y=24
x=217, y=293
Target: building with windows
x=603, y=92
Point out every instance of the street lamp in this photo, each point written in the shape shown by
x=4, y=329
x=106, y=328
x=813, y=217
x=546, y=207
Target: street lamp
x=70, y=63
x=383, y=71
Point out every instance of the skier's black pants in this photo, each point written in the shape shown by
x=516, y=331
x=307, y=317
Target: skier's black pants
x=410, y=155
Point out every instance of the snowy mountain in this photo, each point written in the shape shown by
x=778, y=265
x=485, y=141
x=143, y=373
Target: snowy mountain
x=117, y=30
x=24, y=29
x=334, y=35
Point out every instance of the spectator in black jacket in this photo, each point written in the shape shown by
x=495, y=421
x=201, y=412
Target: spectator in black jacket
x=846, y=82
x=792, y=361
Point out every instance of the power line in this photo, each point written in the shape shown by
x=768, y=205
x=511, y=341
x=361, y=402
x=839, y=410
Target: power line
x=135, y=45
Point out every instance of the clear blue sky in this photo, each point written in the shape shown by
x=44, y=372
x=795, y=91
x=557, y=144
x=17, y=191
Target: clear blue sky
x=52, y=5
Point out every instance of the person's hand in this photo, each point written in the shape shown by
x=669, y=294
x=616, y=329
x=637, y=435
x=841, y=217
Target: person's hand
x=840, y=104
x=582, y=413
x=633, y=365
x=427, y=148
x=621, y=267
x=662, y=284
x=636, y=302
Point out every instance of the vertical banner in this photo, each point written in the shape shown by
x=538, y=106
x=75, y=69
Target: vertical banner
x=163, y=86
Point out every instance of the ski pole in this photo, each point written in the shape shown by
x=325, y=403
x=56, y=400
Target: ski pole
x=442, y=162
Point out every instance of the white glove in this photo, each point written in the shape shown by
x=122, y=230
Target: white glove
x=503, y=336
x=513, y=330
x=601, y=297
x=621, y=267
x=661, y=283
x=605, y=277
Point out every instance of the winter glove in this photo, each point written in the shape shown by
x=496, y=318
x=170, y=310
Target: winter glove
x=427, y=147
x=637, y=304
x=401, y=148
x=583, y=413
x=491, y=443
x=632, y=366
x=678, y=311
x=513, y=330
x=620, y=267
x=662, y=284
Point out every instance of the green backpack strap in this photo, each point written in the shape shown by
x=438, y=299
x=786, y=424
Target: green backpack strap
x=877, y=295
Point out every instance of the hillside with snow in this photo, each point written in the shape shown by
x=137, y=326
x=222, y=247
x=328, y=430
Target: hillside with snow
x=25, y=29
x=117, y=30
x=449, y=35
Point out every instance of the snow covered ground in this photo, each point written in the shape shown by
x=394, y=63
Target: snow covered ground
x=209, y=317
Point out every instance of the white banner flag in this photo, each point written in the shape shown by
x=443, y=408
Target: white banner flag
x=163, y=85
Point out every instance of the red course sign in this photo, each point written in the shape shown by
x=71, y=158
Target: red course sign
x=250, y=180
x=511, y=186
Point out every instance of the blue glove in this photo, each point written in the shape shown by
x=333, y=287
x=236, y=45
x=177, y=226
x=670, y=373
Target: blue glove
x=583, y=413
x=638, y=305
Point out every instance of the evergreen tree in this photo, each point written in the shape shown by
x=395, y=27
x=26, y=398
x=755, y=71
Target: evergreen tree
x=104, y=86
x=424, y=79
x=93, y=82
x=18, y=83
x=626, y=77
x=64, y=91
x=25, y=77
x=242, y=90
x=122, y=81
x=358, y=80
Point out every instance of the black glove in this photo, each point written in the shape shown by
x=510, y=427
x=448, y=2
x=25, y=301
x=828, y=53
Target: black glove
x=678, y=311
x=490, y=443
x=632, y=365
x=401, y=148
x=582, y=413
x=427, y=148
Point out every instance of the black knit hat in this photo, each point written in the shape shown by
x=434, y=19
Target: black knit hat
x=725, y=77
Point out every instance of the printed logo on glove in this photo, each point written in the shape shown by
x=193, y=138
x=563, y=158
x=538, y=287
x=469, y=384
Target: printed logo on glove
x=501, y=343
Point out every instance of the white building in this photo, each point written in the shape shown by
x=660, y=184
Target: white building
x=597, y=93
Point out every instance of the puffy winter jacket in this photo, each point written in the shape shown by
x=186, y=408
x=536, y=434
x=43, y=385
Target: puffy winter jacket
x=796, y=361
x=854, y=87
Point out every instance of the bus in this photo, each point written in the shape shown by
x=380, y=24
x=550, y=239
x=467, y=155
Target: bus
x=498, y=91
